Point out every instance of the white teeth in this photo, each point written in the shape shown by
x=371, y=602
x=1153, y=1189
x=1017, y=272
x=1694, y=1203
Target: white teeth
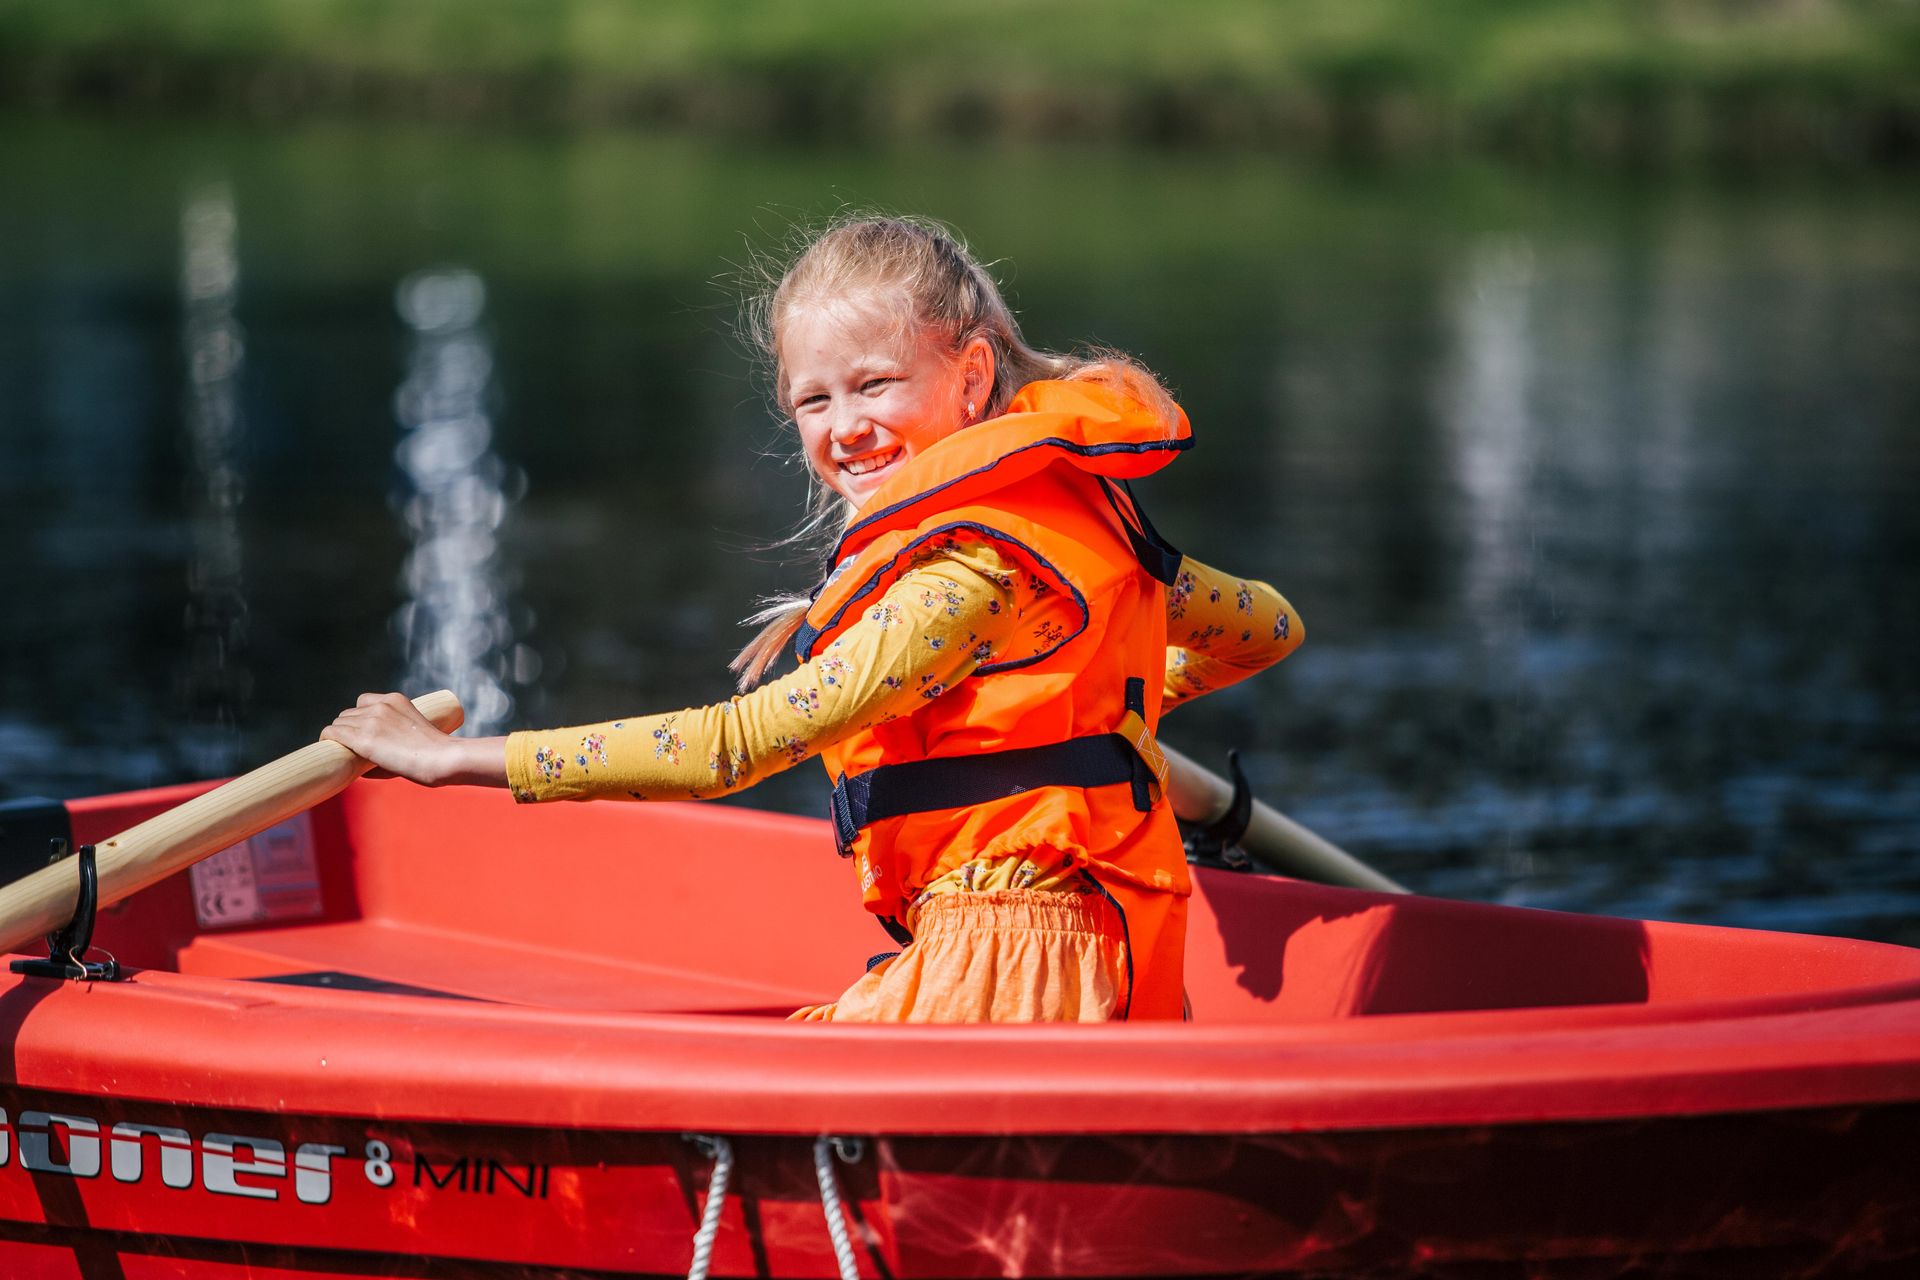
x=860, y=466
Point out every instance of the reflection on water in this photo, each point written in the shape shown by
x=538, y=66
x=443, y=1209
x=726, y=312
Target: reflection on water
x=214, y=681
x=1487, y=422
x=1484, y=413
x=1601, y=502
x=1683, y=540
x=455, y=630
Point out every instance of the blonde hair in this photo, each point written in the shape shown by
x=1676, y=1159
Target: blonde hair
x=944, y=295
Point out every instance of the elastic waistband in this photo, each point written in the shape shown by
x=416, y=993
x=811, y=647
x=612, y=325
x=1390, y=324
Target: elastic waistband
x=1034, y=910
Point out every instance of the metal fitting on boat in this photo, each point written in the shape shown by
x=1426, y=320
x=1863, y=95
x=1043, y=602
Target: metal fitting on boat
x=849, y=1150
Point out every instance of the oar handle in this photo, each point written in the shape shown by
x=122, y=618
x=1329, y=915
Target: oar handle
x=38, y=904
x=1198, y=794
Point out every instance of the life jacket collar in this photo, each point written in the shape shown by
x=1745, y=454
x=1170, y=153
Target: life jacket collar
x=1094, y=426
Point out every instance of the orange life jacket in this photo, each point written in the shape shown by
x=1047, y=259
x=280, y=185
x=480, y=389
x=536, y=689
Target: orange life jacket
x=1038, y=483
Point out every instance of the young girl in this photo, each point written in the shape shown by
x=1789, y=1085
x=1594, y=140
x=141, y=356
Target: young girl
x=982, y=668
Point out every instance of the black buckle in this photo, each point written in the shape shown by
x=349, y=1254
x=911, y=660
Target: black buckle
x=1134, y=698
x=840, y=810
x=67, y=946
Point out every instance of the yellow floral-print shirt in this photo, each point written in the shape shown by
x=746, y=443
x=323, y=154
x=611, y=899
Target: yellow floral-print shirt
x=940, y=620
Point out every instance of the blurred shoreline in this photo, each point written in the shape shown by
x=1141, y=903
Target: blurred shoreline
x=1647, y=82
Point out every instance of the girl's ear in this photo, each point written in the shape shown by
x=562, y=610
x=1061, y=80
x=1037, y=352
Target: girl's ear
x=976, y=369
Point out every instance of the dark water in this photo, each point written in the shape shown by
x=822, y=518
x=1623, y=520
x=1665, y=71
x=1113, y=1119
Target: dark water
x=1600, y=496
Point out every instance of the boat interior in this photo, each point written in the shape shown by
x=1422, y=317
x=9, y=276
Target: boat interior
x=724, y=910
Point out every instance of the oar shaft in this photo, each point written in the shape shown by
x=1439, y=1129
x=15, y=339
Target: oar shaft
x=38, y=904
x=1273, y=839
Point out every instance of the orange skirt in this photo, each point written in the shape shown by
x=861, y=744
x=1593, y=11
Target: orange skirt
x=1010, y=955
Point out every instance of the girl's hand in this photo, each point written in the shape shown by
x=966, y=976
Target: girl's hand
x=389, y=730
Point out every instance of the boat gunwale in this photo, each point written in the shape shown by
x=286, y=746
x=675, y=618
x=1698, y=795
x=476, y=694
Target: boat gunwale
x=415, y=1059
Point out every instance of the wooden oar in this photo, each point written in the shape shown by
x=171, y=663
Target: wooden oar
x=1273, y=840
x=44, y=901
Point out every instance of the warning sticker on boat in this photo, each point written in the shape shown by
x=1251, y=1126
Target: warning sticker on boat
x=269, y=876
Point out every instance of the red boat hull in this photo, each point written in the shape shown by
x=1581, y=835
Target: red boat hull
x=1770, y=1194
x=1373, y=1086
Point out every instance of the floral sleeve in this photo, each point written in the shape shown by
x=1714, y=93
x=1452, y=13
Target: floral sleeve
x=937, y=623
x=1222, y=629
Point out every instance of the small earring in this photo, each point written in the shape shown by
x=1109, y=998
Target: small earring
x=971, y=411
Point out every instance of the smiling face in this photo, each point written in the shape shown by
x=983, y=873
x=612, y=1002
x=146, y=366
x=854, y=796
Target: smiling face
x=868, y=392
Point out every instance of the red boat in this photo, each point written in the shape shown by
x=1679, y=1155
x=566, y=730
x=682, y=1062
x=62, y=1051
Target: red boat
x=416, y=1033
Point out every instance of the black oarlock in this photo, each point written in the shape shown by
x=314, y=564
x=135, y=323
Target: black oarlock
x=67, y=946
x=1217, y=843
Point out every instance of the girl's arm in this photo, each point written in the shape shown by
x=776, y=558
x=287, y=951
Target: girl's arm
x=389, y=730
x=1222, y=629
x=930, y=630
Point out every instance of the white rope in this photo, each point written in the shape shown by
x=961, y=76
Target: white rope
x=823, y=1152
x=722, y=1153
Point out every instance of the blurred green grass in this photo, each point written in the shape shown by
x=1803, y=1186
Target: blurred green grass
x=1631, y=78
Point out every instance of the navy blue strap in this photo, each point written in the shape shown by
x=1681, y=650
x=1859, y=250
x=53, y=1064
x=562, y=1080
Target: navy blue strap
x=954, y=782
x=1156, y=555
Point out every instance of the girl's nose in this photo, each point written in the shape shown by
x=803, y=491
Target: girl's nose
x=850, y=425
